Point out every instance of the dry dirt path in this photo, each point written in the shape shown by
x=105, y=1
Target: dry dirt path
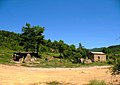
x=13, y=75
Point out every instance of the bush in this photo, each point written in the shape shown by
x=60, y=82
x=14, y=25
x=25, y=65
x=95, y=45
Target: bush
x=97, y=82
x=115, y=70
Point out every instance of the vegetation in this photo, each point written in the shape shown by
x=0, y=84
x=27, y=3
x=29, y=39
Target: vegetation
x=53, y=53
x=113, y=58
x=32, y=39
x=97, y=82
x=115, y=49
x=54, y=83
x=5, y=55
x=51, y=83
x=112, y=52
x=115, y=70
x=9, y=40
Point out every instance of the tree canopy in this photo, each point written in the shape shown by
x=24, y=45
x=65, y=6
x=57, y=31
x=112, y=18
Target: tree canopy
x=32, y=37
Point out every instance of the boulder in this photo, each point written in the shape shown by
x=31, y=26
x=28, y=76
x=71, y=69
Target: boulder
x=28, y=58
x=21, y=60
x=87, y=61
x=33, y=59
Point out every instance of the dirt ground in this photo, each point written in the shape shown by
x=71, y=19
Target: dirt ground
x=18, y=75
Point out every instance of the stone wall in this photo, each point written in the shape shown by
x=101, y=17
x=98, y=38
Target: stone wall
x=98, y=57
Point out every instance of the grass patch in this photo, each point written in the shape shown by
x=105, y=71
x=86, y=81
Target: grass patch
x=51, y=83
x=96, y=64
x=54, y=83
x=5, y=55
x=97, y=82
x=62, y=63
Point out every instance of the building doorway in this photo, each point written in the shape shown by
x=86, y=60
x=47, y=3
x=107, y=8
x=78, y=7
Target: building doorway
x=98, y=58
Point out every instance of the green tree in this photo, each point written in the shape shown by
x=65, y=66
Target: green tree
x=61, y=47
x=55, y=46
x=83, y=51
x=73, y=47
x=67, y=53
x=81, y=46
x=106, y=50
x=39, y=38
x=32, y=37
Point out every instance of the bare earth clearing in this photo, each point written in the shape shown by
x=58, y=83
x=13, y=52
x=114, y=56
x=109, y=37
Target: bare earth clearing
x=18, y=75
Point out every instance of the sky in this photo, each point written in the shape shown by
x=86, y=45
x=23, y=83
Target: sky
x=94, y=23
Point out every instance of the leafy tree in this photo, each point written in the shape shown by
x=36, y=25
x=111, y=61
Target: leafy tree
x=76, y=57
x=61, y=47
x=32, y=37
x=55, y=46
x=83, y=51
x=81, y=46
x=67, y=53
x=74, y=54
x=73, y=48
x=49, y=43
x=106, y=50
x=39, y=38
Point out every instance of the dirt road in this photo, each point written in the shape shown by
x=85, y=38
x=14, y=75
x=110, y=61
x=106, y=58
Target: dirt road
x=13, y=75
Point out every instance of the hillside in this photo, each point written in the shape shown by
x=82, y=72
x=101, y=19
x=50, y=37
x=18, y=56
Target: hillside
x=32, y=39
x=57, y=53
x=9, y=40
x=114, y=49
x=97, y=49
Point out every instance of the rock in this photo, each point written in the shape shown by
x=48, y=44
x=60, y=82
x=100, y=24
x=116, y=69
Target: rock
x=33, y=59
x=21, y=60
x=28, y=58
x=87, y=61
x=82, y=60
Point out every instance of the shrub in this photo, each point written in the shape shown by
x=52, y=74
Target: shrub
x=97, y=82
x=115, y=70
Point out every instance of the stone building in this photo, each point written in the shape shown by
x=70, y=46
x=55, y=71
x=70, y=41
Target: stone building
x=97, y=56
